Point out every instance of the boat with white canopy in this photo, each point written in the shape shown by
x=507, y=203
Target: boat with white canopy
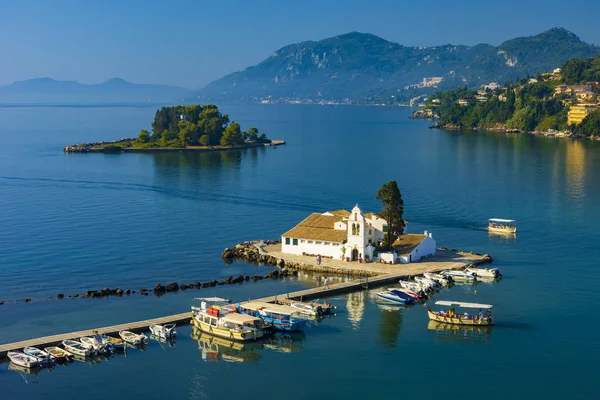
x=451, y=316
x=500, y=225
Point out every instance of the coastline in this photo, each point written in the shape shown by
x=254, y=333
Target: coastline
x=114, y=147
x=563, y=135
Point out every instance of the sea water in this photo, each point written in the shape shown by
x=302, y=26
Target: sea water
x=76, y=222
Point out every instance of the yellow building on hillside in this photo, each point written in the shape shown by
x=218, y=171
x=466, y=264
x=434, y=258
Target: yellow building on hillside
x=578, y=112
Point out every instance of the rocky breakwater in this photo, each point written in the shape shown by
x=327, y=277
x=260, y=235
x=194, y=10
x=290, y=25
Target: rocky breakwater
x=112, y=145
x=252, y=252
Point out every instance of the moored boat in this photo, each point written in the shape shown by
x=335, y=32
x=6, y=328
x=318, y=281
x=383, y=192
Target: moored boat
x=395, y=296
x=133, y=338
x=428, y=283
x=97, y=344
x=490, y=273
x=415, y=287
x=414, y=295
x=500, y=225
x=459, y=276
x=23, y=360
x=163, y=331
x=59, y=354
x=76, y=348
x=440, y=278
x=217, y=317
x=452, y=317
x=281, y=317
x=41, y=355
x=116, y=343
x=304, y=308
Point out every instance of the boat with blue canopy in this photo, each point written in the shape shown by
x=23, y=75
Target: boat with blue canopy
x=281, y=317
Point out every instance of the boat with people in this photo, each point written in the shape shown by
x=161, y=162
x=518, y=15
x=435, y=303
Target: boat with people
x=451, y=316
x=76, y=348
x=440, y=278
x=41, y=355
x=216, y=316
x=281, y=317
x=490, y=273
x=163, y=331
x=396, y=296
x=23, y=360
x=133, y=338
x=59, y=354
x=500, y=225
x=459, y=276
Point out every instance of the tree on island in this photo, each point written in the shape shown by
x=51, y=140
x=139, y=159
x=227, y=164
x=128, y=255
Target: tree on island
x=232, y=135
x=393, y=209
x=144, y=136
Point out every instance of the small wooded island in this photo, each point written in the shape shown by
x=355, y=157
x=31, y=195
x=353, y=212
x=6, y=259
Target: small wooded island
x=188, y=127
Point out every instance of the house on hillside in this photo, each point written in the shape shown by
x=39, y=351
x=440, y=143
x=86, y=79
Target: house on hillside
x=352, y=236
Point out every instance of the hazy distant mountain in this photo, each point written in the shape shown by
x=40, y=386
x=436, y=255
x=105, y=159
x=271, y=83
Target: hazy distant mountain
x=366, y=68
x=116, y=90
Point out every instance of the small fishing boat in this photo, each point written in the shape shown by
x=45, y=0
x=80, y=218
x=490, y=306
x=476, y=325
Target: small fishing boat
x=426, y=282
x=76, y=348
x=59, y=354
x=41, y=355
x=163, y=331
x=304, y=308
x=452, y=317
x=217, y=317
x=23, y=360
x=490, y=273
x=500, y=225
x=395, y=296
x=116, y=343
x=97, y=344
x=133, y=338
x=459, y=276
x=417, y=296
x=440, y=278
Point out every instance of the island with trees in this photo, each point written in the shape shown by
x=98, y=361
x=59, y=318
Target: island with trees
x=184, y=127
x=538, y=104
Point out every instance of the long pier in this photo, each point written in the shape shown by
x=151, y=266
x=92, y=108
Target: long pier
x=184, y=318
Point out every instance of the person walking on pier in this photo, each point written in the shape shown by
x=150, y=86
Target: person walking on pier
x=318, y=259
x=326, y=284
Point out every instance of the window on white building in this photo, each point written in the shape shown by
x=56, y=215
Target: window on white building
x=310, y=242
x=326, y=243
x=335, y=244
x=302, y=240
x=287, y=240
x=318, y=242
x=295, y=242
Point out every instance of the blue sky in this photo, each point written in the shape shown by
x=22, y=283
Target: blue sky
x=190, y=43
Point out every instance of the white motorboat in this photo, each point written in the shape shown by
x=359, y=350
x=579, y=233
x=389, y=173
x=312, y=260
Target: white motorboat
x=23, y=360
x=133, y=338
x=76, y=348
x=414, y=286
x=39, y=354
x=116, y=343
x=441, y=279
x=426, y=282
x=491, y=273
x=96, y=343
x=163, y=331
x=415, y=295
x=304, y=308
x=460, y=276
x=395, y=296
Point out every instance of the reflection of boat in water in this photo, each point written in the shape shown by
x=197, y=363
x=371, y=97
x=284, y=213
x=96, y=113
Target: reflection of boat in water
x=216, y=349
x=452, y=332
x=166, y=343
x=25, y=372
x=286, y=342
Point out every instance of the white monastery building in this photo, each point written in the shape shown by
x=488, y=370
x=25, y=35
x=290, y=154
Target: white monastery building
x=353, y=236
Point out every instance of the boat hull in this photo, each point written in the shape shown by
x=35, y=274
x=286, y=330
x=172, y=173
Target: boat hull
x=503, y=230
x=227, y=333
x=23, y=360
x=76, y=350
x=391, y=298
x=459, y=320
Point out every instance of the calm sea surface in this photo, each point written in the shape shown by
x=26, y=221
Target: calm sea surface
x=71, y=223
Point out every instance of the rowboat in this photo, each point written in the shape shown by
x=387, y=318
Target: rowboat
x=491, y=273
x=116, y=343
x=217, y=317
x=440, y=278
x=76, y=348
x=24, y=360
x=452, y=317
x=304, y=308
x=282, y=317
x=500, y=225
x=41, y=355
x=96, y=343
x=395, y=296
x=58, y=353
x=133, y=338
x=163, y=331
x=460, y=276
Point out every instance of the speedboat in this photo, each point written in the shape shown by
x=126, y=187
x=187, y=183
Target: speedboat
x=133, y=338
x=459, y=276
x=76, y=348
x=304, y=308
x=163, y=331
x=426, y=282
x=417, y=296
x=413, y=286
x=59, y=354
x=44, y=357
x=453, y=317
x=23, y=360
x=491, y=273
x=440, y=278
x=396, y=296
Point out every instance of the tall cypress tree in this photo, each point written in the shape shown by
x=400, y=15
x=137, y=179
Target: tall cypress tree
x=393, y=209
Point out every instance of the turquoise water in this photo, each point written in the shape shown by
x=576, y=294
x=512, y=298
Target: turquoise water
x=74, y=222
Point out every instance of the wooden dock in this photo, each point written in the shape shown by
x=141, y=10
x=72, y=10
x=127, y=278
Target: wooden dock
x=184, y=318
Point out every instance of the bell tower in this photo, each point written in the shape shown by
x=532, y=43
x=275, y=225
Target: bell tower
x=357, y=238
